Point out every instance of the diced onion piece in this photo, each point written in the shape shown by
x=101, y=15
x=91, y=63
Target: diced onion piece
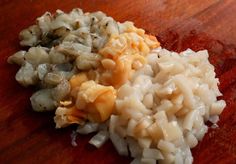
x=148, y=161
x=144, y=142
x=166, y=146
x=206, y=95
x=142, y=125
x=103, y=126
x=189, y=119
x=134, y=147
x=148, y=100
x=152, y=153
x=132, y=113
x=200, y=133
x=136, y=161
x=168, y=158
x=99, y=139
x=214, y=119
x=171, y=131
x=179, y=158
x=217, y=107
x=165, y=106
x=121, y=131
x=155, y=131
x=191, y=140
x=161, y=117
x=87, y=128
x=181, y=81
x=119, y=143
x=177, y=99
x=130, y=128
x=112, y=124
x=165, y=91
x=188, y=160
x=125, y=91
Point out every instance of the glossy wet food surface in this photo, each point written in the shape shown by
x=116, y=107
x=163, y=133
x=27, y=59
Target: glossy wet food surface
x=28, y=137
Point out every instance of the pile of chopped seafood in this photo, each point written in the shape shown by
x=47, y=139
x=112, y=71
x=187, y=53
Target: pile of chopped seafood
x=114, y=79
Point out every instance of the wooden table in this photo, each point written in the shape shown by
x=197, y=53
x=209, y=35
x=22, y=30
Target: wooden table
x=29, y=137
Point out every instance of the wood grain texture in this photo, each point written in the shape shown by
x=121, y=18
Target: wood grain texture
x=29, y=137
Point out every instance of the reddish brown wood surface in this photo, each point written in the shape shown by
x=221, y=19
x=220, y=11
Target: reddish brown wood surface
x=29, y=137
